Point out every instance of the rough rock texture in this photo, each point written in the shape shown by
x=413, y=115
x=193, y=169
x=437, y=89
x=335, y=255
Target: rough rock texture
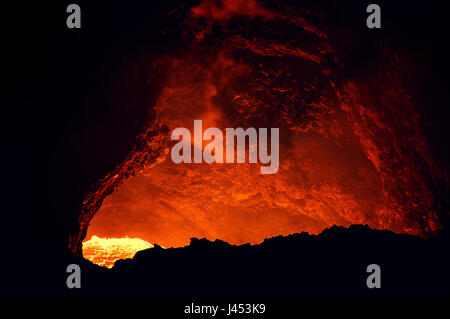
x=352, y=148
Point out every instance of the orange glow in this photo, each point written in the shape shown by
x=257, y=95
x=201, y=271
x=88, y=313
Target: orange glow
x=345, y=158
x=105, y=251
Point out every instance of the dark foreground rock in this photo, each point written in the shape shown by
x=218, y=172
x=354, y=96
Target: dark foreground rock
x=332, y=264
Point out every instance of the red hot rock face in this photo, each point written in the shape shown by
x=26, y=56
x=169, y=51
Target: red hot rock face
x=347, y=154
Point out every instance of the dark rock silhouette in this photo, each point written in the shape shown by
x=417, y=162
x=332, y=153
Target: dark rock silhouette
x=332, y=265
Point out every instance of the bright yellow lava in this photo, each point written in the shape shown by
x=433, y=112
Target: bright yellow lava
x=105, y=251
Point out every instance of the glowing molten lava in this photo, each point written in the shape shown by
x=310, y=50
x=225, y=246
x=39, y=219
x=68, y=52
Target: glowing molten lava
x=351, y=152
x=105, y=251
